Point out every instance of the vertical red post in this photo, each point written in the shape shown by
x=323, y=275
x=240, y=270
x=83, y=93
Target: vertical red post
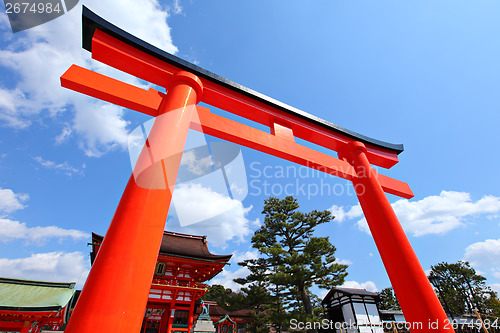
x=191, y=317
x=26, y=327
x=165, y=319
x=418, y=301
x=171, y=317
x=115, y=294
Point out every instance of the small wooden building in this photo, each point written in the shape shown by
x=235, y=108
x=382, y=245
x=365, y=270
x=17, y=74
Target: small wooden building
x=184, y=263
x=353, y=310
x=29, y=306
x=392, y=316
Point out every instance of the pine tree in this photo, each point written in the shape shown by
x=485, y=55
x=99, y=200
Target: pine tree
x=253, y=298
x=388, y=300
x=217, y=293
x=461, y=289
x=292, y=260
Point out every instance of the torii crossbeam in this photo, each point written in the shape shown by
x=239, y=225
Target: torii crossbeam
x=116, y=291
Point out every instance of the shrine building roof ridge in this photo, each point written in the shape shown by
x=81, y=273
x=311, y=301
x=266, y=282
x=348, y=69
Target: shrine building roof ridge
x=188, y=245
x=67, y=285
x=92, y=21
x=184, y=245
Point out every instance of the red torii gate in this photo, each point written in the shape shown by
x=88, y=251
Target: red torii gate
x=116, y=291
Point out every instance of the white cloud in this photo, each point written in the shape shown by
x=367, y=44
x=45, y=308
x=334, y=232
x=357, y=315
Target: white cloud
x=175, y=8
x=223, y=218
x=225, y=278
x=8, y=104
x=436, y=214
x=64, y=136
x=341, y=214
x=496, y=287
x=484, y=254
x=52, y=266
x=10, y=201
x=368, y=285
x=240, y=257
x=65, y=167
x=343, y=261
x=12, y=230
x=338, y=212
x=101, y=127
x=40, y=55
x=196, y=165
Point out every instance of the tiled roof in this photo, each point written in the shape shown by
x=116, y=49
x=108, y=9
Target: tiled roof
x=189, y=246
x=175, y=243
x=349, y=292
x=354, y=291
x=29, y=295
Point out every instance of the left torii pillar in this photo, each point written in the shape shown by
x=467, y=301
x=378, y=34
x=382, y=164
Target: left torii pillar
x=123, y=269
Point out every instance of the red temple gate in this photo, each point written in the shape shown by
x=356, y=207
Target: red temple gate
x=135, y=233
x=183, y=264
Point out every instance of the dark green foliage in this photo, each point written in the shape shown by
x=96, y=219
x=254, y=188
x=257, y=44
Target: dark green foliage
x=253, y=298
x=492, y=304
x=388, y=300
x=217, y=293
x=463, y=290
x=258, y=300
x=292, y=260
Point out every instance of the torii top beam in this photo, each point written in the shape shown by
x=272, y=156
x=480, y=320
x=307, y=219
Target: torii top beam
x=225, y=94
x=117, y=48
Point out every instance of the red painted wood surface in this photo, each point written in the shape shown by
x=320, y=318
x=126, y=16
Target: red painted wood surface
x=116, y=291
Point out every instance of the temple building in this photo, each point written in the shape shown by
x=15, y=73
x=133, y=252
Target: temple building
x=30, y=306
x=184, y=264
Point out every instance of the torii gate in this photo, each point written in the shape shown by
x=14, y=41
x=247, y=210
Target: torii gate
x=116, y=291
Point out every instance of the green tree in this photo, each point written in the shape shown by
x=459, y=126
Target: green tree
x=492, y=304
x=463, y=290
x=252, y=298
x=259, y=301
x=217, y=293
x=388, y=300
x=292, y=260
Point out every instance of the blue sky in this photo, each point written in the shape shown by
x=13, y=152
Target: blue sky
x=422, y=73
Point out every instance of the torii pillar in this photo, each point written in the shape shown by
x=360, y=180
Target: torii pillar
x=127, y=257
x=116, y=291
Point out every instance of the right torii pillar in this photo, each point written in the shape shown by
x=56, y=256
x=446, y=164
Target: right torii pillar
x=419, y=303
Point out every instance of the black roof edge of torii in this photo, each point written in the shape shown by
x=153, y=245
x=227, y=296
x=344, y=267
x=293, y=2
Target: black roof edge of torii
x=92, y=21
